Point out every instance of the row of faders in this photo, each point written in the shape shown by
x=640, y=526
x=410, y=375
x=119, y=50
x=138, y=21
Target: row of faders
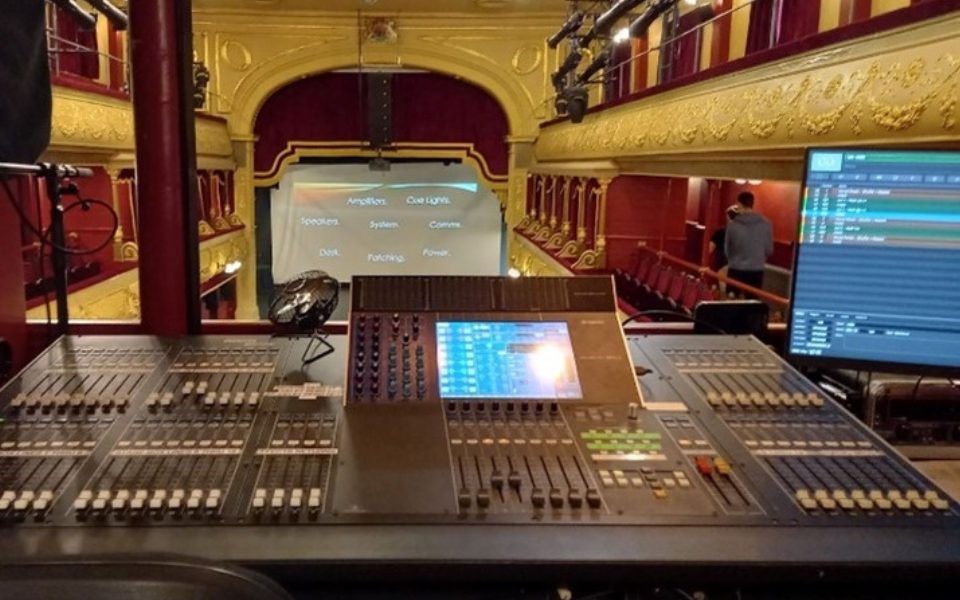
x=59, y=416
x=167, y=468
x=293, y=468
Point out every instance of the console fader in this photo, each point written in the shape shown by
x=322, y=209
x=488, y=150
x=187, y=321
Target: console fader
x=481, y=421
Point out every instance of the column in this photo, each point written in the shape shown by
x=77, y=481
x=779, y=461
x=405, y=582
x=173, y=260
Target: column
x=161, y=38
x=243, y=198
x=601, y=230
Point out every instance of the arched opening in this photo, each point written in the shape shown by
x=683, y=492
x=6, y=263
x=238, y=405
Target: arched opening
x=322, y=203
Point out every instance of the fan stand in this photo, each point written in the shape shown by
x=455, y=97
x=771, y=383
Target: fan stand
x=323, y=347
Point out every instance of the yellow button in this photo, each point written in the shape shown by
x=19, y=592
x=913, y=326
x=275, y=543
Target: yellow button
x=660, y=494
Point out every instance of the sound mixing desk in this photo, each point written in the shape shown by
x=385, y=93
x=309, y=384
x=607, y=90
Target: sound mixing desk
x=465, y=427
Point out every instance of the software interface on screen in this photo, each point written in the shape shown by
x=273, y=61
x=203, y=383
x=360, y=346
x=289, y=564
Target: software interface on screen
x=487, y=359
x=877, y=276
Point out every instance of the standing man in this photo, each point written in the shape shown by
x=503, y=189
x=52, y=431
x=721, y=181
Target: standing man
x=748, y=243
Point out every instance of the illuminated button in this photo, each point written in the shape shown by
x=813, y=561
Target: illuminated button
x=940, y=504
x=857, y=494
x=118, y=504
x=669, y=483
x=820, y=494
x=931, y=495
x=622, y=482
x=79, y=505
x=894, y=495
x=212, y=502
x=136, y=504
x=659, y=494
x=875, y=495
x=723, y=467
x=276, y=502
x=99, y=504
x=684, y=483
x=864, y=504
x=259, y=502
x=175, y=504
x=911, y=494
x=920, y=503
x=839, y=494
x=846, y=503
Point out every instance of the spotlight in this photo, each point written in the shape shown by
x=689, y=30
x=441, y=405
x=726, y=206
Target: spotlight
x=114, y=14
x=514, y=272
x=232, y=267
x=571, y=26
x=576, y=102
x=639, y=26
x=621, y=36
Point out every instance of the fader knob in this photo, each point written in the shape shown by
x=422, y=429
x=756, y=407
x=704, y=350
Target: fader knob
x=538, y=498
x=556, y=498
x=496, y=480
x=483, y=498
x=575, y=498
x=464, y=498
x=633, y=411
x=514, y=480
x=593, y=498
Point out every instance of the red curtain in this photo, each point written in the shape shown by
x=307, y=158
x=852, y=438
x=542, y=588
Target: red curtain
x=76, y=48
x=790, y=20
x=426, y=108
x=798, y=19
x=686, y=50
x=761, y=22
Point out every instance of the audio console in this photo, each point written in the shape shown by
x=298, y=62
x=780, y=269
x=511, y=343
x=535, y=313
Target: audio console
x=483, y=424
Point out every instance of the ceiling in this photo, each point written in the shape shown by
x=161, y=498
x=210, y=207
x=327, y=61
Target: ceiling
x=395, y=6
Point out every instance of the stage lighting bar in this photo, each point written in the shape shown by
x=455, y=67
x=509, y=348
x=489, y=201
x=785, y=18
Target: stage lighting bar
x=595, y=67
x=570, y=27
x=603, y=23
x=639, y=26
x=115, y=15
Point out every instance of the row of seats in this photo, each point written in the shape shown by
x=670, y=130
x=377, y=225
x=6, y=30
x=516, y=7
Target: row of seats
x=657, y=286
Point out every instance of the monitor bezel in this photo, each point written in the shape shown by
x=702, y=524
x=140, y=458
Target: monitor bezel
x=834, y=362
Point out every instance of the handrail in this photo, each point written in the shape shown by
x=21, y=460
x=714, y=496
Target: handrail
x=664, y=256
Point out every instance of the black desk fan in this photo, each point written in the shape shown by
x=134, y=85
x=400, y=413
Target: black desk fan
x=305, y=303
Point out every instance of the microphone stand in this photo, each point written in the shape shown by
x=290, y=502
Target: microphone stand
x=52, y=174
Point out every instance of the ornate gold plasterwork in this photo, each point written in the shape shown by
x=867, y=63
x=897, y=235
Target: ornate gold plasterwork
x=213, y=139
x=590, y=259
x=878, y=91
x=532, y=261
x=101, y=125
x=86, y=120
x=204, y=229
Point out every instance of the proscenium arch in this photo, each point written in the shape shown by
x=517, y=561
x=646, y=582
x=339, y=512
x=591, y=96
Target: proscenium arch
x=272, y=75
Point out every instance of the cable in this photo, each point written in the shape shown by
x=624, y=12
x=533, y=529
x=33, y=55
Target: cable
x=916, y=388
x=672, y=313
x=45, y=241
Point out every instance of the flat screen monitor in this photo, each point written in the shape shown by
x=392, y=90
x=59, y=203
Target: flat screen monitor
x=506, y=359
x=876, y=282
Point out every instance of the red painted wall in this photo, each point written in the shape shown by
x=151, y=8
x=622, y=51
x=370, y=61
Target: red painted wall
x=12, y=305
x=427, y=108
x=648, y=209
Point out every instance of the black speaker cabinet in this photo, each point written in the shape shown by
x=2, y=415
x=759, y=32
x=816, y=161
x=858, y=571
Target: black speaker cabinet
x=380, y=109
